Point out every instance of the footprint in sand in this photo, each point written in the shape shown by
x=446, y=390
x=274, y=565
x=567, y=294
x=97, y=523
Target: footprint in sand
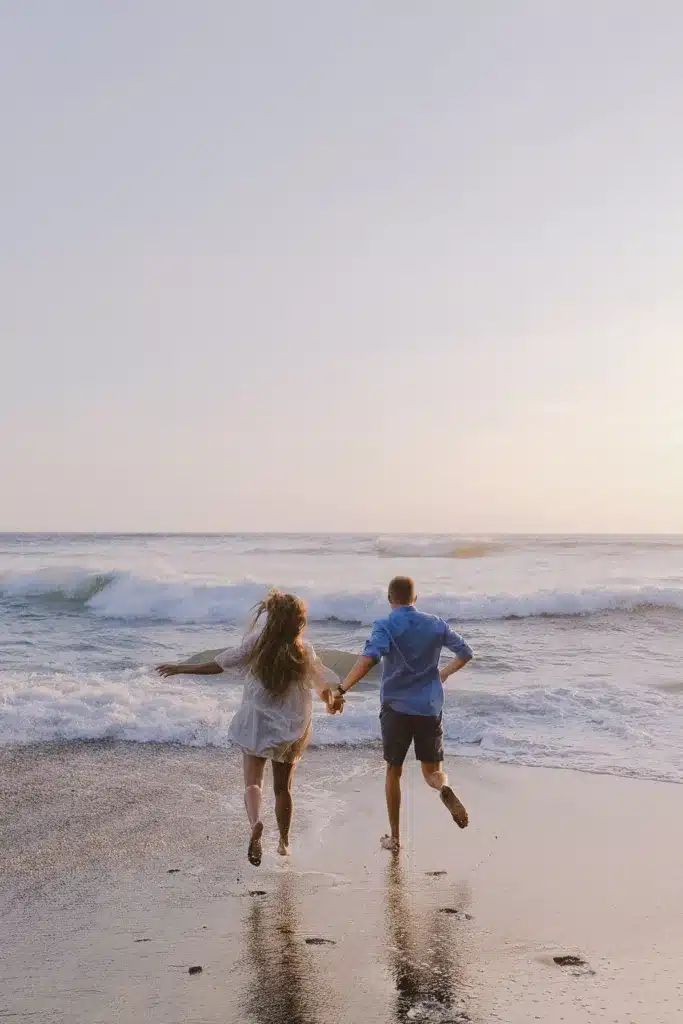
x=577, y=965
x=454, y=910
x=258, y=892
x=435, y=874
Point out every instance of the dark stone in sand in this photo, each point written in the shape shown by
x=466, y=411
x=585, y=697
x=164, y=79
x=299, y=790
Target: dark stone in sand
x=142, y=940
x=320, y=942
x=173, y=871
x=435, y=874
x=257, y=892
x=195, y=970
x=454, y=910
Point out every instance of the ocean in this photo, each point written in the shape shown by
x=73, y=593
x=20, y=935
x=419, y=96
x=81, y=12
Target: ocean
x=577, y=640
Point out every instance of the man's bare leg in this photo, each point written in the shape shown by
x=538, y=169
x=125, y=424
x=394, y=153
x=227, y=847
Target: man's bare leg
x=283, y=775
x=254, y=770
x=392, y=789
x=436, y=778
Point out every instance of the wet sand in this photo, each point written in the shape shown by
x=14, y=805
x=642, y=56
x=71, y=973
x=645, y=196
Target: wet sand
x=123, y=865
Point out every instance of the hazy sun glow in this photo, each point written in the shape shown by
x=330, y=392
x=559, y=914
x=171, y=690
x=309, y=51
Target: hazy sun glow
x=342, y=267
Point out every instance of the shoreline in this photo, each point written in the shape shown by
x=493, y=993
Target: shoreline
x=123, y=864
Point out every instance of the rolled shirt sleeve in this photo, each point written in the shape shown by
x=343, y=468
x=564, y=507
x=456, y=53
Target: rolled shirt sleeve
x=379, y=642
x=455, y=643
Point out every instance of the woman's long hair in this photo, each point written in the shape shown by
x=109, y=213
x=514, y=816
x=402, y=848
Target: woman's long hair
x=277, y=657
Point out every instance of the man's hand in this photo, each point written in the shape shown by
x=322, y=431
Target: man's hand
x=453, y=666
x=169, y=669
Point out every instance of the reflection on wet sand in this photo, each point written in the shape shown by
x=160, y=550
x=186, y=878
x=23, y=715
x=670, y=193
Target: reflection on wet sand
x=285, y=985
x=424, y=958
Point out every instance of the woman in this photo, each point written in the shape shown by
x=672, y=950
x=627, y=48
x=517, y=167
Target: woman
x=273, y=722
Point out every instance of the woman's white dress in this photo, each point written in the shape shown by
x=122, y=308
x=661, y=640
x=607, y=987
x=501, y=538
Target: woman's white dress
x=276, y=727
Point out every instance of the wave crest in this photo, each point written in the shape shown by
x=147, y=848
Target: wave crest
x=451, y=547
x=125, y=596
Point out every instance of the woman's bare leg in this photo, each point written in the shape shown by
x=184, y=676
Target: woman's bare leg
x=283, y=775
x=254, y=770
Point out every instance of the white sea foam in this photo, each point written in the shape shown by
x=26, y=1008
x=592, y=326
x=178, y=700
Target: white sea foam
x=596, y=727
x=126, y=596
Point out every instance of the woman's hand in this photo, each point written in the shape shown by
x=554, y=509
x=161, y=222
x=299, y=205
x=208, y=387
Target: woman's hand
x=168, y=669
x=335, y=702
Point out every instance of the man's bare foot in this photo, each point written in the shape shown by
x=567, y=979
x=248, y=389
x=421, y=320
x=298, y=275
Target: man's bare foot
x=458, y=812
x=283, y=848
x=390, y=844
x=254, y=853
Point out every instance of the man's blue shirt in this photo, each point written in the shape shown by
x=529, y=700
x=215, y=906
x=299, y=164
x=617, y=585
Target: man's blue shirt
x=409, y=643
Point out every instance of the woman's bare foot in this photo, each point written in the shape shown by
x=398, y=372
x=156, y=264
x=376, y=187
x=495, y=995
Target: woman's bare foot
x=283, y=848
x=389, y=843
x=254, y=853
x=458, y=812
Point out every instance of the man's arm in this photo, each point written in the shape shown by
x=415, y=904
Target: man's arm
x=462, y=650
x=358, y=672
x=377, y=645
x=206, y=668
x=454, y=666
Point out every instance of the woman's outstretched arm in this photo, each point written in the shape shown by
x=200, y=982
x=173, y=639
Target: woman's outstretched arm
x=206, y=668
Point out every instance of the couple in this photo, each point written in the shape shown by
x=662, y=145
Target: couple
x=281, y=669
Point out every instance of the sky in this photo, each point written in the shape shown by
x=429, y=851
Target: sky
x=317, y=266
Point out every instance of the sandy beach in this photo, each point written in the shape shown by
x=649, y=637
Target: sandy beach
x=123, y=866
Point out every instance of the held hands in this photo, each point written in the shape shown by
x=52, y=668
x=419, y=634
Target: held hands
x=335, y=702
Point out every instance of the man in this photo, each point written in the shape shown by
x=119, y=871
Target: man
x=409, y=644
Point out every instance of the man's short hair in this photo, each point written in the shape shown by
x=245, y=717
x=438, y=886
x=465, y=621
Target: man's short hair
x=402, y=590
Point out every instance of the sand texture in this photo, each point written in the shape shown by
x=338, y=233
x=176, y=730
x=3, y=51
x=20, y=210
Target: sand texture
x=122, y=866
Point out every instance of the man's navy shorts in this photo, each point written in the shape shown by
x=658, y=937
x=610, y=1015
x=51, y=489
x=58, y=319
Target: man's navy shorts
x=400, y=730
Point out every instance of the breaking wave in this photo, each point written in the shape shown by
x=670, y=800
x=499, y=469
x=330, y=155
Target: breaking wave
x=118, y=595
x=602, y=727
